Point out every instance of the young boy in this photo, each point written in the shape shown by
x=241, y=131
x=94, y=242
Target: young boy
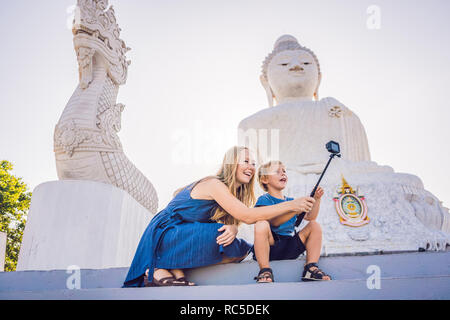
x=276, y=239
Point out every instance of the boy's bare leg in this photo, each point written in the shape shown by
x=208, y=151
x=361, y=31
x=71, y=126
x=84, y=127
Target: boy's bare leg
x=263, y=241
x=311, y=236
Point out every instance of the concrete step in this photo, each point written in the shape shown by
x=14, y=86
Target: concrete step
x=424, y=288
x=418, y=275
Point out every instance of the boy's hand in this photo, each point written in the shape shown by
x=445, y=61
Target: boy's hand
x=228, y=236
x=318, y=194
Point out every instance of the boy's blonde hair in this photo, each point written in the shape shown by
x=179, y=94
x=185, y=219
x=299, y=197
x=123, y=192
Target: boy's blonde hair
x=264, y=170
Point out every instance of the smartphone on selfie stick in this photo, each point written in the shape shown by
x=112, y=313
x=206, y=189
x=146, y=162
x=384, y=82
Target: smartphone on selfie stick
x=333, y=148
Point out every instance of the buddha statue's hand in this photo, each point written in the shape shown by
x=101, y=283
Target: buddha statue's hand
x=303, y=204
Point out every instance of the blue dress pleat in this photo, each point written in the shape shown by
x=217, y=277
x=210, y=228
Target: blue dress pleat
x=181, y=236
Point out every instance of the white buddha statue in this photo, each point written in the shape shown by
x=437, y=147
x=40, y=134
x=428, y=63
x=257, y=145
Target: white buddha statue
x=291, y=76
x=401, y=214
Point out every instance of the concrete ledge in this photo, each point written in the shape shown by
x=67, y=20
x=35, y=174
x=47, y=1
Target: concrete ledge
x=391, y=288
x=423, y=265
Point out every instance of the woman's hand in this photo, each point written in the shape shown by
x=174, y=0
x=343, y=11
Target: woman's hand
x=228, y=235
x=303, y=204
x=319, y=193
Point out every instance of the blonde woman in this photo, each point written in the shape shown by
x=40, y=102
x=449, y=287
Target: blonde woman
x=199, y=226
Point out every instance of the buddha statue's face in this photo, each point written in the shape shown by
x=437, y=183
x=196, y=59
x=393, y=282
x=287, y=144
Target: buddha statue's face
x=293, y=74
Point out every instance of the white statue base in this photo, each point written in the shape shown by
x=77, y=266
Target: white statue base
x=87, y=224
x=403, y=216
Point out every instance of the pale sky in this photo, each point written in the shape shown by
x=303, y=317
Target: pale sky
x=195, y=71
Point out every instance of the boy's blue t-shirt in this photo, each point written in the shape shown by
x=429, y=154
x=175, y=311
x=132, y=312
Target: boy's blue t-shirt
x=285, y=229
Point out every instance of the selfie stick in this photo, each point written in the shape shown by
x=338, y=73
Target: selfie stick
x=302, y=215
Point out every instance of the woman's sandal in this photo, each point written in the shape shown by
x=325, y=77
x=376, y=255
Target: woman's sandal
x=163, y=282
x=264, y=274
x=315, y=274
x=186, y=282
x=167, y=282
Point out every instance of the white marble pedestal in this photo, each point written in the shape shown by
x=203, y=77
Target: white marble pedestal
x=403, y=215
x=87, y=224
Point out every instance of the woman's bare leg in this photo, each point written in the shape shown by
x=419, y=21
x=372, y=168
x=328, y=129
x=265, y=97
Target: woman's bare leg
x=160, y=273
x=178, y=274
x=231, y=260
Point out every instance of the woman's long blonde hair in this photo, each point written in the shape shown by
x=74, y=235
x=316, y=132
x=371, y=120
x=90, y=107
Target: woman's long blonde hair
x=227, y=174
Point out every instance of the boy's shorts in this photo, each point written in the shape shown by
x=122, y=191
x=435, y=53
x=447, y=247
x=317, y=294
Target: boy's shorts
x=285, y=247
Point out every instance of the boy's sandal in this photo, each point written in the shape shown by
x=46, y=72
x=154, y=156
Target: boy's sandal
x=264, y=274
x=315, y=274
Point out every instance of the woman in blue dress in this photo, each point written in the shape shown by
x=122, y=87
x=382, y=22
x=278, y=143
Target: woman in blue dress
x=199, y=225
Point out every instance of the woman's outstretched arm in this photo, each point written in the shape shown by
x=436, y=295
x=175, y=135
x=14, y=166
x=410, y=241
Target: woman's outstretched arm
x=218, y=191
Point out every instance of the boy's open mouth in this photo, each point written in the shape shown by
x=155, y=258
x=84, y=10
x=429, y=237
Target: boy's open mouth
x=283, y=179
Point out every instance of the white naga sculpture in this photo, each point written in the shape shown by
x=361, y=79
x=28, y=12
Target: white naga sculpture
x=86, y=143
x=401, y=215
